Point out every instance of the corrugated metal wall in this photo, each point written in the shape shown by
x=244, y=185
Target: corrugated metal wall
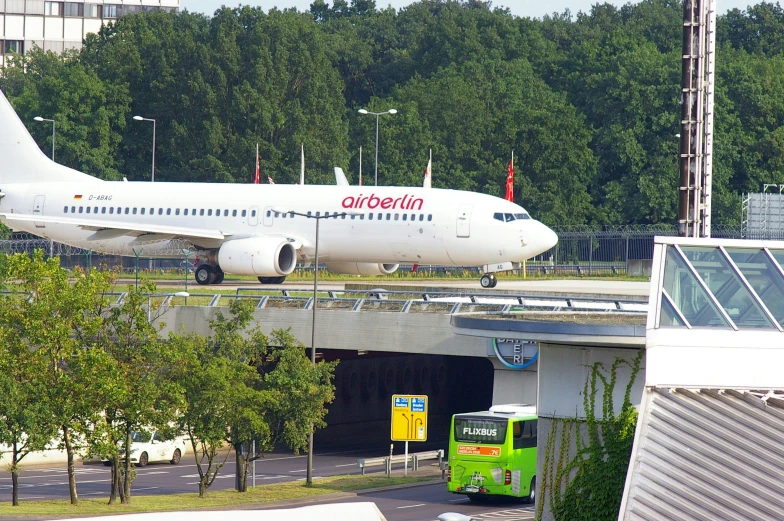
x=706, y=454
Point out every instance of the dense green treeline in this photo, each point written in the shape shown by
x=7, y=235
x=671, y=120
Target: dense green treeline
x=588, y=103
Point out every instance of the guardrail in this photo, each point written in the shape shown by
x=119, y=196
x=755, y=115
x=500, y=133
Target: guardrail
x=435, y=302
x=414, y=458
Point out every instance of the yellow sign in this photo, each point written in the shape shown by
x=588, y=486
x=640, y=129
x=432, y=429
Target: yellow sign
x=409, y=417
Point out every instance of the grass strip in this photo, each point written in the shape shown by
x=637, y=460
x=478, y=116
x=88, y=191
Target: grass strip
x=213, y=499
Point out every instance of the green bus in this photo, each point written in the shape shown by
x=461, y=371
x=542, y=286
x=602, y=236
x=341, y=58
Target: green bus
x=493, y=453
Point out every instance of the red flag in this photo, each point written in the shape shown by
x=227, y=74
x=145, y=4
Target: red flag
x=258, y=171
x=428, y=176
x=414, y=267
x=270, y=181
x=510, y=183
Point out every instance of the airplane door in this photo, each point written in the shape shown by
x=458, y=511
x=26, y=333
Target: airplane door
x=38, y=209
x=253, y=215
x=268, y=216
x=464, y=220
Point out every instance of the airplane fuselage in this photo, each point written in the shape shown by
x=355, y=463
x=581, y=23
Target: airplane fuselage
x=394, y=225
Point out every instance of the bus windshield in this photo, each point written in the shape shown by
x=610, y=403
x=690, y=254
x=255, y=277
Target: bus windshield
x=480, y=430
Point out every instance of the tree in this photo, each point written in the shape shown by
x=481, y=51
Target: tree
x=141, y=391
x=243, y=391
x=25, y=417
x=89, y=114
x=54, y=319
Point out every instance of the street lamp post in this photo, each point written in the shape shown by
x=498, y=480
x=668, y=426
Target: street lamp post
x=309, y=474
x=377, y=114
x=139, y=118
x=39, y=119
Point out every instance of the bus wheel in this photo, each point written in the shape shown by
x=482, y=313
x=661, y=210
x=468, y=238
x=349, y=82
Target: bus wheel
x=531, y=498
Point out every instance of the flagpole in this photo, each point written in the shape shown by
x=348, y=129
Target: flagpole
x=302, y=168
x=360, y=166
x=256, y=177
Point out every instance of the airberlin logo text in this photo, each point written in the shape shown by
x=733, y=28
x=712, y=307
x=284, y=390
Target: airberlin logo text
x=407, y=202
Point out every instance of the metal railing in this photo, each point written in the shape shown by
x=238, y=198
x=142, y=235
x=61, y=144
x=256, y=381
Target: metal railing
x=435, y=302
x=413, y=458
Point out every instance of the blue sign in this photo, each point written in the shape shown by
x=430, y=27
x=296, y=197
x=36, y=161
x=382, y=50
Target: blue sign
x=518, y=357
x=401, y=402
x=417, y=405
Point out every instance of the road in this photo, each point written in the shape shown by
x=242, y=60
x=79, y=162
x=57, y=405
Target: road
x=420, y=503
x=427, y=502
x=51, y=482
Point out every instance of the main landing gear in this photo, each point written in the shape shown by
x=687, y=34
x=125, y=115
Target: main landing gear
x=208, y=274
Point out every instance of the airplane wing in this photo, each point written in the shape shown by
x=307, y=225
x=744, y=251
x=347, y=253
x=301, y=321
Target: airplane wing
x=105, y=230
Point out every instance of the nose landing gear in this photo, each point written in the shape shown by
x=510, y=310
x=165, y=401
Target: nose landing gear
x=488, y=280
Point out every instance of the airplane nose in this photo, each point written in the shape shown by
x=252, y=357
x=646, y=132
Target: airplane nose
x=549, y=237
x=541, y=240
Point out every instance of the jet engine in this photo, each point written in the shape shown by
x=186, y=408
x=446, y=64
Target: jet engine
x=258, y=257
x=362, y=268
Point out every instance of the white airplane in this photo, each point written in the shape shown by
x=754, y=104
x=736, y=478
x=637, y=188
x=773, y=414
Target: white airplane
x=248, y=230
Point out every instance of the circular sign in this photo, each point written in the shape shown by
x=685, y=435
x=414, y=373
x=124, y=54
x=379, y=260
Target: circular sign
x=517, y=355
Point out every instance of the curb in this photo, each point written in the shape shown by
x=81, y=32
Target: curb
x=329, y=497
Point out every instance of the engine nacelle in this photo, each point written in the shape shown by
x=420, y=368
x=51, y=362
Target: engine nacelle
x=361, y=268
x=258, y=257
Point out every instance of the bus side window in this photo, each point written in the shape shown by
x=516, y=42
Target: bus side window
x=527, y=437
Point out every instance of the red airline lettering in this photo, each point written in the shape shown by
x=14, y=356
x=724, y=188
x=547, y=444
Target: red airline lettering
x=407, y=202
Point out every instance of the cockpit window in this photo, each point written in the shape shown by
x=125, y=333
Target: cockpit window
x=509, y=217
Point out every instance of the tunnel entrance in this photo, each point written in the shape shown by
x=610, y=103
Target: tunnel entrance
x=360, y=416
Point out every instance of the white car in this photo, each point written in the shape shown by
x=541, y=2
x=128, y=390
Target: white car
x=150, y=446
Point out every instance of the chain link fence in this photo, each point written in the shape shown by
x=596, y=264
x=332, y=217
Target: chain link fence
x=581, y=251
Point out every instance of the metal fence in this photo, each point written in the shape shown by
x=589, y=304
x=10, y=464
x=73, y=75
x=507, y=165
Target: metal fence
x=581, y=251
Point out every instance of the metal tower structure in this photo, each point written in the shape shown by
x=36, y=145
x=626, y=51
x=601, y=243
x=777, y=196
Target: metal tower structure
x=696, y=141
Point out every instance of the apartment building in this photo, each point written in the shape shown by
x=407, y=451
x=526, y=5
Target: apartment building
x=58, y=26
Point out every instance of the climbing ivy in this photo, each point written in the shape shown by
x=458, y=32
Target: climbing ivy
x=587, y=484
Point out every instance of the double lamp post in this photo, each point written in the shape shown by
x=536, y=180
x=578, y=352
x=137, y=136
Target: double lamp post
x=377, y=114
x=318, y=218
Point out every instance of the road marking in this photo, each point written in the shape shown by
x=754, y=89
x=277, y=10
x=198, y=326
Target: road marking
x=31, y=497
x=458, y=500
x=143, y=488
x=347, y=465
x=413, y=506
x=303, y=470
x=151, y=473
x=518, y=514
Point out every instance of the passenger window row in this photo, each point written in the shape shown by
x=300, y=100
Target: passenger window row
x=111, y=210
x=125, y=210
x=370, y=216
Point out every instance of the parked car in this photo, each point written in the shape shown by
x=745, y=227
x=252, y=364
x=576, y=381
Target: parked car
x=149, y=446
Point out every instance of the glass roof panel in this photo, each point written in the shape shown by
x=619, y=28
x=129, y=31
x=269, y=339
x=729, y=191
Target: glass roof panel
x=727, y=286
x=763, y=276
x=688, y=295
x=669, y=317
x=779, y=256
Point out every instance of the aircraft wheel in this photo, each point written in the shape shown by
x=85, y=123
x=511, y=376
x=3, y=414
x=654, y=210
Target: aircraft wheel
x=487, y=280
x=218, y=277
x=278, y=280
x=494, y=281
x=205, y=274
x=265, y=280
